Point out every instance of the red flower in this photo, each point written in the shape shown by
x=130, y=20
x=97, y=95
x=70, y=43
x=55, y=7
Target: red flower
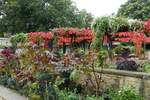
x=71, y=35
x=147, y=26
x=130, y=36
x=36, y=37
x=71, y=31
x=59, y=31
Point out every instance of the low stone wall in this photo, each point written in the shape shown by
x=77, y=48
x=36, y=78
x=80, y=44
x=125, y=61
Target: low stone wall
x=5, y=42
x=117, y=79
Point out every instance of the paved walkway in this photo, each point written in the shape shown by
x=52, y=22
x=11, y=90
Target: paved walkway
x=7, y=94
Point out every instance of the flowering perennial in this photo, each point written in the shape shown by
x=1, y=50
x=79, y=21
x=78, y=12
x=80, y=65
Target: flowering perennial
x=73, y=35
x=136, y=38
x=37, y=37
x=147, y=26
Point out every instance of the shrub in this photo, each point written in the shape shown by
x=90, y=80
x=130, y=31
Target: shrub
x=122, y=51
x=127, y=65
x=3, y=79
x=126, y=93
x=8, y=61
x=18, y=38
x=146, y=67
x=118, y=49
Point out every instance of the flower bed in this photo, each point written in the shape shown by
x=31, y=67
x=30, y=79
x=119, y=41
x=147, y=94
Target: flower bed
x=41, y=72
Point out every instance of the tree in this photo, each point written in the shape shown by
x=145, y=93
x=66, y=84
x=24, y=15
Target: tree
x=84, y=19
x=135, y=9
x=38, y=15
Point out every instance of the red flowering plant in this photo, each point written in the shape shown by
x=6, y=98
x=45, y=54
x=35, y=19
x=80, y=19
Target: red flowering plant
x=135, y=37
x=64, y=35
x=9, y=61
x=147, y=26
x=70, y=36
x=23, y=65
x=85, y=34
x=33, y=58
x=40, y=38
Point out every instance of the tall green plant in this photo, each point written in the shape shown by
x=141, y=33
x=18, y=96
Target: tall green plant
x=90, y=61
x=100, y=27
x=106, y=26
x=18, y=38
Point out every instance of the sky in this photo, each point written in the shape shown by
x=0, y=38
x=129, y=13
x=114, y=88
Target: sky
x=99, y=7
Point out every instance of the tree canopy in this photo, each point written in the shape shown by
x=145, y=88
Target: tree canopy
x=40, y=15
x=135, y=9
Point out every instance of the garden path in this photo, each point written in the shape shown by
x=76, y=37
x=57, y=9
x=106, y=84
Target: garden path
x=7, y=94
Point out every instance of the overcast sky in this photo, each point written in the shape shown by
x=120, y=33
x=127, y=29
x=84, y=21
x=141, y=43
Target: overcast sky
x=99, y=7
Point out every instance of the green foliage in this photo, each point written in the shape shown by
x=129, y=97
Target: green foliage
x=118, y=49
x=18, y=38
x=64, y=95
x=36, y=77
x=67, y=95
x=132, y=49
x=108, y=25
x=100, y=27
x=119, y=24
x=94, y=98
x=135, y=9
x=3, y=79
x=2, y=46
x=11, y=83
x=75, y=74
x=84, y=19
x=102, y=55
x=42, y=91
x=146, y=67
x=126, y=93
x=97, y=43
x=41, y=15
x=42, y=75
x=136, y=25
x=35, y=97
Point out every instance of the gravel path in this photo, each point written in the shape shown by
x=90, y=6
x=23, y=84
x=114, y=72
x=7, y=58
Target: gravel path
x=7, y=94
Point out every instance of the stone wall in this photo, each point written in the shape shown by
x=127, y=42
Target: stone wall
x=117, y=79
